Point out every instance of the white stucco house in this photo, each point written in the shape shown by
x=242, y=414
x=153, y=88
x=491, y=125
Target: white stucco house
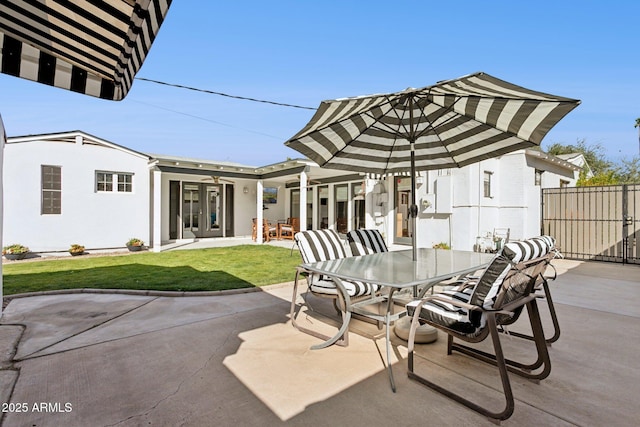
x=73, y=187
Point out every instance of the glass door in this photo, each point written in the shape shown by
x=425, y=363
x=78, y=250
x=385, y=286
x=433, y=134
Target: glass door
x=212, y=217
x=323, y=207
x=190, y=211
x=402, y=221
x=358, y=194
x=342, y=207
x=202, y=210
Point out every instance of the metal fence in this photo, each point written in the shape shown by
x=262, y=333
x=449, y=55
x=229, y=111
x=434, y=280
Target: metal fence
x=596, y=223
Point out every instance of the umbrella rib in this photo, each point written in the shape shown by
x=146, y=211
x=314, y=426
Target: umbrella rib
x=396, y=134
x=377, y=124
x=431, y=127
x=373, y=125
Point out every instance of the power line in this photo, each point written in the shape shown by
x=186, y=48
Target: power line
x=224, y=94
x=207, y=120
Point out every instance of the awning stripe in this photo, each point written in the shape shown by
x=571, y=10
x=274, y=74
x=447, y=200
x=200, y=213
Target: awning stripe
x=87, y=46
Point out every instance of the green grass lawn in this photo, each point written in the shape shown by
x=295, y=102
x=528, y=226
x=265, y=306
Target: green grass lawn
x=210, y=269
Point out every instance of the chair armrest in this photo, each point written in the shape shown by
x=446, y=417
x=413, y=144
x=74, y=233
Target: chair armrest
x=450, y=301
x=517, y=303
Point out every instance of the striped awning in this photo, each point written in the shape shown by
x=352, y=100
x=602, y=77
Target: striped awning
x=87, y=46
x=451, y=124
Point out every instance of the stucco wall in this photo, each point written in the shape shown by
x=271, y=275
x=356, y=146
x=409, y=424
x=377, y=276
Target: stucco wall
x=90, y=218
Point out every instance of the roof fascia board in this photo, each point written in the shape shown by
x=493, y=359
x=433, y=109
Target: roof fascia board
x=283, y=172
x=549, y=158
x=205, y=172
x=330, y=180
x=52, y=137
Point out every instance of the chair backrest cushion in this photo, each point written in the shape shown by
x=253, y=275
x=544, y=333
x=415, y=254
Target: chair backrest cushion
x=364, y=242
x=487, y=290
x=320, y=245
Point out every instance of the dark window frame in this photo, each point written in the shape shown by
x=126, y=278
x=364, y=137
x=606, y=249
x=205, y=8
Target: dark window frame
x=50, y=190
x=486, y=184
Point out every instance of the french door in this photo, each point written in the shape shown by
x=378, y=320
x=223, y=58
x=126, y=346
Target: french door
x=202, y=210
x=402, y=223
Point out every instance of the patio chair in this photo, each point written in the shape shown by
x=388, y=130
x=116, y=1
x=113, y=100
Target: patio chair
x=325, y=245
x=542, y=286
x=290, y=228
x=475, y=311
x=268, y=230
x=364, y=242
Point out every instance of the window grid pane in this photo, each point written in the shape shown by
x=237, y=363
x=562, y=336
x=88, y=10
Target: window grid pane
x=104, y=181
x=51, y=189
x=487, y=184
x=124, y=183
x=51, y=178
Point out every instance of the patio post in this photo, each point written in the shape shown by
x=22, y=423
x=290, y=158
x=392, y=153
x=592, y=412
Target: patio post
x=259, y=211
x=156, y=215
x=303, y=199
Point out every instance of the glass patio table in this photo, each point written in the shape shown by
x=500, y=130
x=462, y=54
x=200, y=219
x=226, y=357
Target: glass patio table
x=395, y=271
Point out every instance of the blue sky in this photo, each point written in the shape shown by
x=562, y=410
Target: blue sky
x=303, y=52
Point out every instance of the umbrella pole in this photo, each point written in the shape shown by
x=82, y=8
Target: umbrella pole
x=413, y=209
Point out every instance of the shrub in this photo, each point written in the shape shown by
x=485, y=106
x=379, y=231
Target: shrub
x=134, y=241
x=441, y=245
x=76, y=249
x=15, y=249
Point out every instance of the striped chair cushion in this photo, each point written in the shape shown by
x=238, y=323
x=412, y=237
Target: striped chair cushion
x=326, y=245
x=489, y=284
x=320, y=245
x=364, y=242
x=486, y=292
x=447, y=314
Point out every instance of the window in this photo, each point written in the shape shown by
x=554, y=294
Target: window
x=358, y=197
x=323, y=206
x=125, y=182
x=563, y=183
x=538, y=178
x=487, y=183
x=341, y=211
x=51, y=178
x=105, y=182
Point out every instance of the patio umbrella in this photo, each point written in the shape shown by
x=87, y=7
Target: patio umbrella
x=90, y=47
x=450, y=124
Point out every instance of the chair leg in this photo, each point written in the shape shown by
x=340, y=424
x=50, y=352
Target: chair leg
x=524, y=370
x=502, y=368
x=554, y=320
x=554, y=316
x=341, y=338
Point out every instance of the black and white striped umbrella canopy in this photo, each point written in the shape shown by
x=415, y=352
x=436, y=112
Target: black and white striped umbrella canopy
x=92, y=47
x=452, y=124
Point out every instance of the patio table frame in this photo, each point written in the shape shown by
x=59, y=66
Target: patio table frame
x=395, y=270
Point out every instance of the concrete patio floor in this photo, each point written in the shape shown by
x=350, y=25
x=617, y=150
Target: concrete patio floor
x=234, y=359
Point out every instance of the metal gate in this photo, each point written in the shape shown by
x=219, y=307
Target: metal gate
x=596, y=223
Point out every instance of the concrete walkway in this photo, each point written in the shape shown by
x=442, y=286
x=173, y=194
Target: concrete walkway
x=235, y=360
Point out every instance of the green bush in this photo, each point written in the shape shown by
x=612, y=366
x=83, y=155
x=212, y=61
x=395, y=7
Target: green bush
x=15, y=249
